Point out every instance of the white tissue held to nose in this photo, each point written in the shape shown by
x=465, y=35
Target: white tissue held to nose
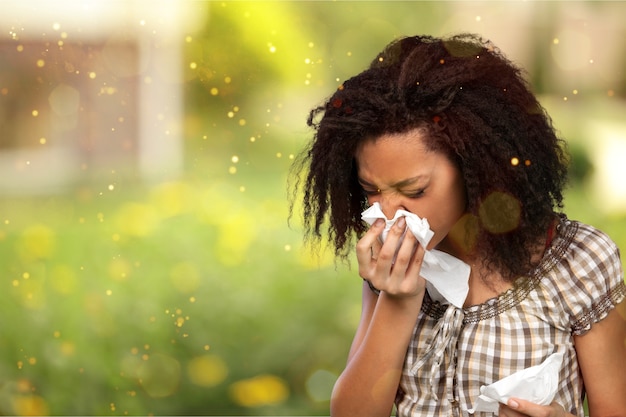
x=447, y=276
x=419, y=226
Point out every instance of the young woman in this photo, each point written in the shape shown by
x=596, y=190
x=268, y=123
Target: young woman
x=448, y=130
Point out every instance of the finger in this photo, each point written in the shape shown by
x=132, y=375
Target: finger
x=369, y=245
x=390, y=278
x=375, y=249
x=406, y=269
x=504, y=411
x=389, y=249
x=405, y=253
x=417, y=259
x=527, y=408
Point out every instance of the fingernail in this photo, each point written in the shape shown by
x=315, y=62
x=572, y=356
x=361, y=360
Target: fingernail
x=513, y=404
x=379, y=222
x=401, y=222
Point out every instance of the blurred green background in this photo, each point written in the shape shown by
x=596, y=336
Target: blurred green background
x=146, y=263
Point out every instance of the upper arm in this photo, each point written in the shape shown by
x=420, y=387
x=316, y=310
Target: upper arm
x=602, y=358
x=367, y=310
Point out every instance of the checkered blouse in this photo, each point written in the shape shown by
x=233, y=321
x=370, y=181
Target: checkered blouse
x=455, y=351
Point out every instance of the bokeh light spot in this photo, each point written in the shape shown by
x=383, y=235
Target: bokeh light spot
x=320, y=384
x=207, y=370
x=68, y=348
x=30, y=405
x=159, y=375
x=259, y=391
x=500, y=212
x=36, y=242
x=64, y=100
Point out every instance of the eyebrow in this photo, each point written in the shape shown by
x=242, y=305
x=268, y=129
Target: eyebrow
x=399, y=184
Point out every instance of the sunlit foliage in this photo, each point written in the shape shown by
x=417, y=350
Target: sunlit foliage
x=135, y=289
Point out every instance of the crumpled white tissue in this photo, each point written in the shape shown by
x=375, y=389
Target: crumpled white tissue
x=446, y=276
x=537, y=384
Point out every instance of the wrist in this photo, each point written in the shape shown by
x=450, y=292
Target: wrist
x=411, y=293
x=410, y=302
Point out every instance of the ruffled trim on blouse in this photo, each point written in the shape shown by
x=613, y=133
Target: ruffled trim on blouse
x=600, y=310
x=566, y=232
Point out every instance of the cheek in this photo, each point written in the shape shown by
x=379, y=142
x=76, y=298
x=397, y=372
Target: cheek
x=443, y=217
x=440, y=228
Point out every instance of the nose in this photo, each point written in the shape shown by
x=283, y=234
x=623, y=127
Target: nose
x=390, y=203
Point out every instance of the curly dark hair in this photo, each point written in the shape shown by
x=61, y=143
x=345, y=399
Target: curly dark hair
x=476, y=108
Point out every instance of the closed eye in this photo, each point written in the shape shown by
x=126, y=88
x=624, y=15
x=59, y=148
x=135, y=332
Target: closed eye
x=369, y=189
x=369, y=192
x=415, y=194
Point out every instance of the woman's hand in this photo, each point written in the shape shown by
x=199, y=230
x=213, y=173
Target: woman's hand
x=521, y=408
x=389, y=268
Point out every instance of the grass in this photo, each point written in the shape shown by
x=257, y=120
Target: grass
x=180, y=299
x=186, y=297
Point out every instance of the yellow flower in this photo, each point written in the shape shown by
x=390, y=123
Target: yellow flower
x=259, y=391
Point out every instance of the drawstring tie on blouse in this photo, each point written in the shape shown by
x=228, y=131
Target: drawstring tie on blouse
x=445, y=335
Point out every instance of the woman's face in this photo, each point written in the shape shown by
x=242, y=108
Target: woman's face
x=399, y=172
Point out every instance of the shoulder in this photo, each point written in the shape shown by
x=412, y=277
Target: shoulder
x=589, y=255
x=585, y=272
x=587, y=239
x=584, y=251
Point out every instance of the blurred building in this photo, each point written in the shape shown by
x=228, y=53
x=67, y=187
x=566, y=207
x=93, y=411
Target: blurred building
x=93, y=89
x=90, y=89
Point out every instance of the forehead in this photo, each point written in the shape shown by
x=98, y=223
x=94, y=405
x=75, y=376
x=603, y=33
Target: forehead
x=394, y=153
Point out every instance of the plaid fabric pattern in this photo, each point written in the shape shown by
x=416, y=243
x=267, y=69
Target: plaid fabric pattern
x=455, y=351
